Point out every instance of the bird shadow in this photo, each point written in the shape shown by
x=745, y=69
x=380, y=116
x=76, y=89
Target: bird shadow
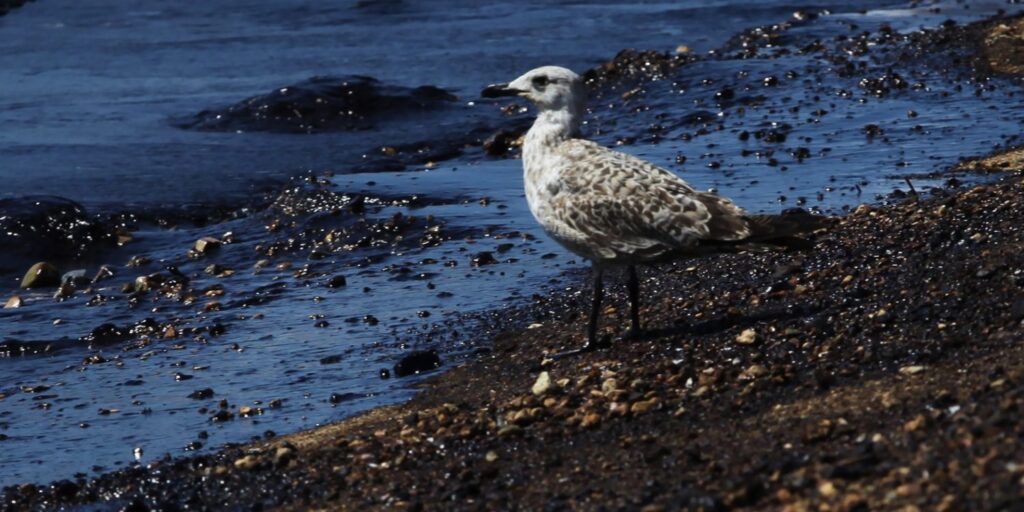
x=715, y=325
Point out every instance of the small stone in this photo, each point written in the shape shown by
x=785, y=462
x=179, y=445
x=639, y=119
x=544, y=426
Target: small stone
x=206, y=244
x=221, y=416
x=609, y=385
x=912, y=370
x=65, y=291
x=491, y=456
x=283, y=454
x=41, y=275
x=543, y=384
x=510, y=430
x=643, y=406
x=247, y=462
x=75, y=277
x=201, y=394
x=483, y=258
x=754, y=371
x=915, y=424
x=416, y=362
x=590, y=420
x=105, y=272
x=337, y=282
x=14, y=302
x=747, y=337
x=827, y=489
x=218, y=270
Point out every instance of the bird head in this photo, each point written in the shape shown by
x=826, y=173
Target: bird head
x=548, y=87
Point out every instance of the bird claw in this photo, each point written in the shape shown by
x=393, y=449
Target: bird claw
x=589, y=346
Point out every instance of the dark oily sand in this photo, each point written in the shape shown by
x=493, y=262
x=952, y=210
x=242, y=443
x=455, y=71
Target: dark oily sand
x=225, y=325
x=851, y=376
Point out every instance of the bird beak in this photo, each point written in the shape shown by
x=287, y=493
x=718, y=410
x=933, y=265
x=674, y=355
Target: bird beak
x=499, y=90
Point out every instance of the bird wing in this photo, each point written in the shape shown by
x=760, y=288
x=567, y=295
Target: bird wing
x=635, y=208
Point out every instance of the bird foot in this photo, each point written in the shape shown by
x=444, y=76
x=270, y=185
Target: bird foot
x=632, y=334
x=590, y=346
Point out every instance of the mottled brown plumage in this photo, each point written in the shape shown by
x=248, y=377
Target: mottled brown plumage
x=616, y=209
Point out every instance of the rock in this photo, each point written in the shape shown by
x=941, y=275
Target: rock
x=37, y=227
x=337, y=282
x=337, y=398
x=416, y=362
x=747, y=337
x=221, y=416
x=64, y=291
x=148, y=282
x=609, y=385
x=201, y=394
x=14, y=302
x=483, y=258
x=75, y=278
x=283, y=454
x=502, y=141
x=754, y=371
x=643, y=406
x=247, y=462
x=915, y=424
x=206, y=244
x=41, y=275
x=912, y=370
x=510, y=430
x=105, y=272
x=543, y=384
x=590, y=420
x=491, y=456
x=106, y=334
x=827, y=489
x=322, y=104
x=218, y=270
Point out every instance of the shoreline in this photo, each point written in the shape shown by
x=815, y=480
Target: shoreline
x=888, y=352
x=874, y=357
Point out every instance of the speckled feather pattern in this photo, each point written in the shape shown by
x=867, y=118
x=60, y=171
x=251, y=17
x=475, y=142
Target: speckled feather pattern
x=613, y=208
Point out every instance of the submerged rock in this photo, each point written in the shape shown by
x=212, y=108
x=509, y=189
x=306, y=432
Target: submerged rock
x=13, y=302
x=416, y=362
x=41, y=275
x=321, y=104
x=37, y=227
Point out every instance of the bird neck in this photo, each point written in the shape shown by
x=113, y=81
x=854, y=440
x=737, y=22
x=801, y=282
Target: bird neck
x=551, y=128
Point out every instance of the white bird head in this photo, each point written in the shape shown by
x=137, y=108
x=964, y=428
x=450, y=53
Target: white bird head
x=548, y=87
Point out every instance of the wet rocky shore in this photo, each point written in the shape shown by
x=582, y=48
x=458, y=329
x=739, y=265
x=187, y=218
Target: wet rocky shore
x=878, y=370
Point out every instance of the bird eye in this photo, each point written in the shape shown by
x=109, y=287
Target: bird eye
x=540, y=81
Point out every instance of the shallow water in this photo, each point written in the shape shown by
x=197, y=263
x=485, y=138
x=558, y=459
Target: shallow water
x=94, y=93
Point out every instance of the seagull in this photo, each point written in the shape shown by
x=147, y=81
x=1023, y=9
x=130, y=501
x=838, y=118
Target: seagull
x=615, y=209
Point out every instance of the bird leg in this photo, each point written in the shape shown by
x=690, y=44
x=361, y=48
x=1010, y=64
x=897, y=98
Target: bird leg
x=633, y=285
x=592, y=342
x=595, y=310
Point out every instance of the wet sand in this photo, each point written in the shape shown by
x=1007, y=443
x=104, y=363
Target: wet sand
x=879, y=370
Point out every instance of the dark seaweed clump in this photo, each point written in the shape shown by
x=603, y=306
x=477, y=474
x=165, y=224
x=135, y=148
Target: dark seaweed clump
x=321, y=104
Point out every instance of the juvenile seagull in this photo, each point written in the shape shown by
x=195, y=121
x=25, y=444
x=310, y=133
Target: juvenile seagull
x=615, y=209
